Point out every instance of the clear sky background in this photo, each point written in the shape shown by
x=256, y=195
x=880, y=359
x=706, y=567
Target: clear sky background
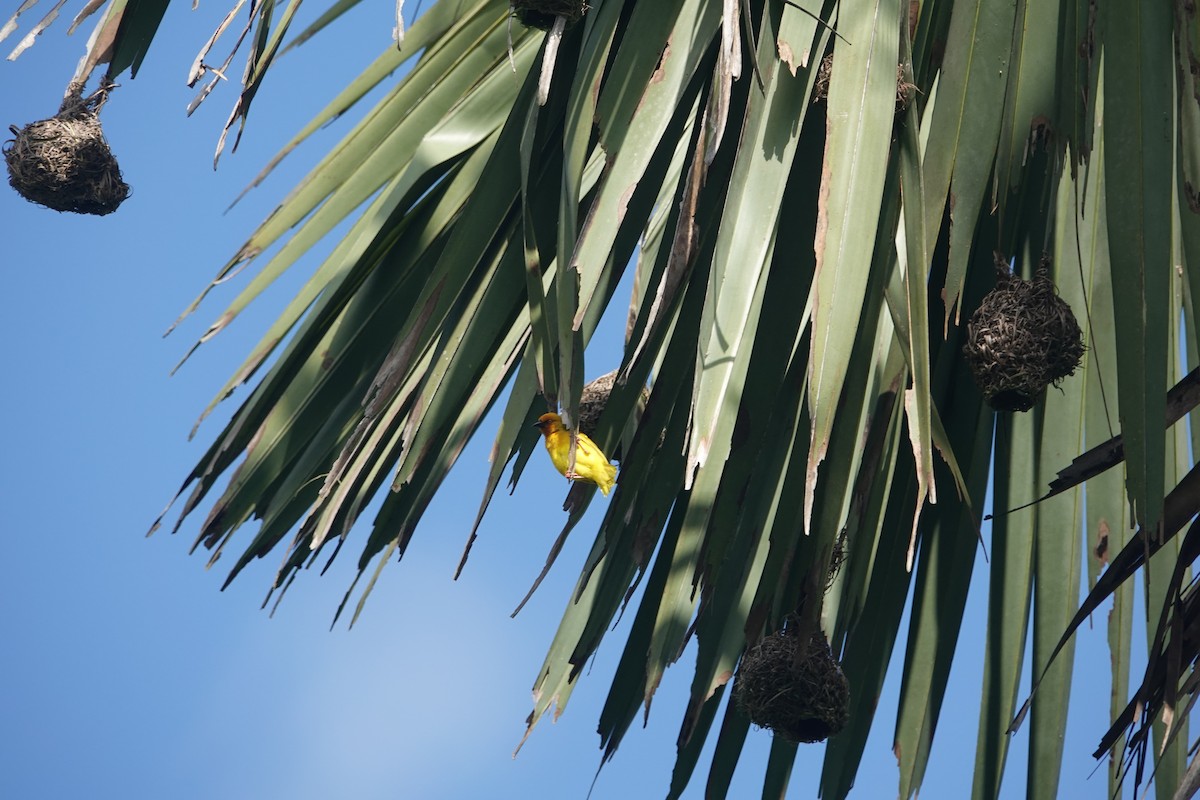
x=126, y=673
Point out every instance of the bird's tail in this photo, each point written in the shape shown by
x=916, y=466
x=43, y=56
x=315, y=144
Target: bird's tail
x=610, y=474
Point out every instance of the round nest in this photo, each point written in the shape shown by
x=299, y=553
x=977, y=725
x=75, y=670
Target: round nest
x=64, y=162
x=905, y=91
x=824, y=71
x=1022, y=338
x=594, y=398
x=542, y=13
x=836, y=559
x=793, y=686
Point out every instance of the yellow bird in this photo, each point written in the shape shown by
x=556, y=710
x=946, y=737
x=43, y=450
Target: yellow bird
x=591, y=465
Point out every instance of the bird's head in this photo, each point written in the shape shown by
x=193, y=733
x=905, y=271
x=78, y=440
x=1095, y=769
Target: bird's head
x=549, y=423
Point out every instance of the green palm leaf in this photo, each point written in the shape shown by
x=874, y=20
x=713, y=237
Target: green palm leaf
x=796, y=186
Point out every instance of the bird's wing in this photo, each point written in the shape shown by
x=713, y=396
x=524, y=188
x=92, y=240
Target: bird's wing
x=589, y=448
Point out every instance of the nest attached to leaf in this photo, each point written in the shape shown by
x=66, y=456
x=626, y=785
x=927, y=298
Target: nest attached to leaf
x=592, y=401
x=542, y=13
x=824, y=72
x=905, y=91
x=594, y=398
x=1022, y=338
x=837, y=558
x=64, y=162
x=793, y=685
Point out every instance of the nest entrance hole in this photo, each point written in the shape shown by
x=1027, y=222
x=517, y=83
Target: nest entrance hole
x=792, y=685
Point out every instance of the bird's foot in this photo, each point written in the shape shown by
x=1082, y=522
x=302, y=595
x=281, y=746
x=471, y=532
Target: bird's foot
x=571, y=475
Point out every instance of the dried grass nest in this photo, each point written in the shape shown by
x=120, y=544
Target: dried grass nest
x=794, y=686
x=64, y=162
x=1022, y=338
x=593, y=400
x=542, y=13
x=905, y=91
x=837, y=558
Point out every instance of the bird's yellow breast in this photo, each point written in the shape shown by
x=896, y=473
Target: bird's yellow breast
x=558, y=444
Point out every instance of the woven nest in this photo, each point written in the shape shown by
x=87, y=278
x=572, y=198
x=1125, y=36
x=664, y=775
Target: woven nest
x=824, y=72
x=1022, y=338
x=905, y=91
x=592, y=401
x=594, y=398
x=836, y=559
x=542, y=13
x=64, y=162
x=793, y=686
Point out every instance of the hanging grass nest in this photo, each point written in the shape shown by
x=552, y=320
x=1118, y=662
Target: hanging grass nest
x=824, y=71
x=64, y=162
x=1022, y=338
x=905, y=91
x=793, y=685
x=593, y=400
x=542, y=13
x=837, y=558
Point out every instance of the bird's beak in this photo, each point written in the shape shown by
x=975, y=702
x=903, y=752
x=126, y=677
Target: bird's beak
x=536, y=425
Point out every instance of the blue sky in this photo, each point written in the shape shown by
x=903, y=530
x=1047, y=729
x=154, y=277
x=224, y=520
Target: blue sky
x=127, y=673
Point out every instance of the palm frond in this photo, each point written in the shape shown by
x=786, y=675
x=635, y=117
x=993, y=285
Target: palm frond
x=814, y=197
